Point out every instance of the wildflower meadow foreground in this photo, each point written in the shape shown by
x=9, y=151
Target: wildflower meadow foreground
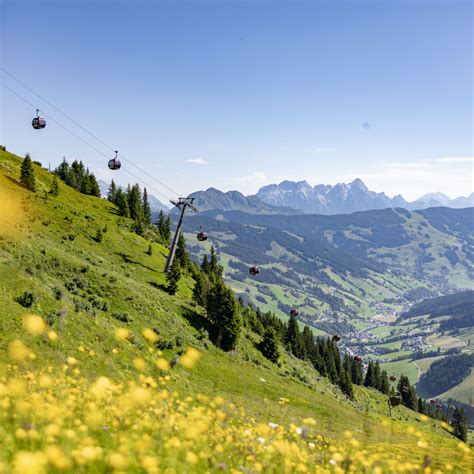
x=61, y=420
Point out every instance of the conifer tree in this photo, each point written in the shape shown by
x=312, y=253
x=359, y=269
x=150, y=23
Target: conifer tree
x=85, y=187
x=205, y=266
x=345, y=383
x=172, y=277
x=215, y=269
x=384, y=386
x=146, y=209
x=122, y=204
x=112, y=192
x=94, y=186
x=268, y=346
x=201, y=288
x=459, y=424
x=135, y=202
x=54, y=190
x=182, y=254
x=293, y=339
x=27, y=176
x=369, y=375
x=63, y=170
x=223, y=313
x=357, y=376
x=377, y=383
x=421, y=406
x=164, y=227
x=308, y=342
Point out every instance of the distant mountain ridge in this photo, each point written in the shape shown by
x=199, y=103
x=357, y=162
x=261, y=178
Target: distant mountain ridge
x=345, y=198
x=213, y=199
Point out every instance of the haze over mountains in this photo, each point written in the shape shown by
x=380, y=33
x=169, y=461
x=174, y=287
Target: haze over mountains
x=290, y=197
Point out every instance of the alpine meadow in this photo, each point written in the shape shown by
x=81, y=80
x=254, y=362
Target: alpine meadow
x=236, y=237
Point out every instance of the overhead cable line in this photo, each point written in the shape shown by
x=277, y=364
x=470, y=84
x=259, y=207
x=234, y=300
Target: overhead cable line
x=86, y=130
x=83, y=140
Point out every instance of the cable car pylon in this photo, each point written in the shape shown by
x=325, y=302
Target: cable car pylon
x=181, y=204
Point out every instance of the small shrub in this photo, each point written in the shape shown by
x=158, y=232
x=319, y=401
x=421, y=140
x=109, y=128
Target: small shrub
x=26, y=300
x=122, y=316
x=99, y=236
x=58, y=294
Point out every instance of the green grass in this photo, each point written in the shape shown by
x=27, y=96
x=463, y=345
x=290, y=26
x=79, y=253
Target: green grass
x=405, y=367
x=47, y=248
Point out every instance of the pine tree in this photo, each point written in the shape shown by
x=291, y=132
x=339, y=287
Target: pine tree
x=86, y=185
x=345, y=384
x=308, y=342
x=268, y=346
x=122, y=204
x=223, y=313
x=421, y=406
x=94, y=186
x=377, y=377
x=146, y=209
x=182, y=254
x=369, y=375
x=384, y=386
x=54, y=190
x=112, y=192
x=201, y=288
x=172, y=277
x=27, y=176
x=412, y=399
x=63, y=170
x=215, y=269
x=205, y=266
x=293, y=340
x=135, y=202
x=356, y=372
x=164, y=227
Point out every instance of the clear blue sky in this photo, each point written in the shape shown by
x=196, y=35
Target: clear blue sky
x=240, y=94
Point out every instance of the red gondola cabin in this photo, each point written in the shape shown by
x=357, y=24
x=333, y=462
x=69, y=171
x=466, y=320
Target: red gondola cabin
x=202, y=236
x=38, y=122
x=115, y=163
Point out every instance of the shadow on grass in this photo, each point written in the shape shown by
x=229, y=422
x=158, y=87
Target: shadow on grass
x=127, y=259
x=15, y=181
x=196, y=320
x=158, y=286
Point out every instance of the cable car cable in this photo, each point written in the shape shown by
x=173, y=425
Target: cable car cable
x=86, y=130
x=83, y=140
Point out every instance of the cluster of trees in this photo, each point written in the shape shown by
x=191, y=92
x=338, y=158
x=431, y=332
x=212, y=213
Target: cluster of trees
x=377, y=378
x=78, y=177
x=132, y=203
x=223, y=310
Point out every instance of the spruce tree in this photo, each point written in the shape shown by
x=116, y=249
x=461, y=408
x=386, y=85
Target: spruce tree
x=268, y=346
x=356, y=372
x=308, y=342
x=384, y=386
x=146, y=209
x=112, y=192
x=293, y=340
x=63, y=170
x=172, y=277
x=86, y=185
x=215, y=269
x=223, y=313
x=122, y=204
x=205, y=266
x=182, y=254
x=27, y=176
x=345, y=383
x=135, y=202
x=94, y=186
x=54, y=190
x=201, y=288
x=377, y=377
x=369, y=375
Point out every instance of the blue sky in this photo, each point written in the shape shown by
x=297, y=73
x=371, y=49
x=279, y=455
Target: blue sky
x=236, y=95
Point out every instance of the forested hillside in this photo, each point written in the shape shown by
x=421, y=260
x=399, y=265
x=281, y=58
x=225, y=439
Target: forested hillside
x=110, y=366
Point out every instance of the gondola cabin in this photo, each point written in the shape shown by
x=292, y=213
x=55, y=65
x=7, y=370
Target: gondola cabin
x=294, y=312
x=115, y=164
x=336, y=338
x=254, y=270
x=393, y=378
x=202, y=236
x=358, y=358
x=38, y=122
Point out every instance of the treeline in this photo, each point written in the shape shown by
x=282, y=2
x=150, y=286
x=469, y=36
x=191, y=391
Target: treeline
x=78, y=177
x=445, y=373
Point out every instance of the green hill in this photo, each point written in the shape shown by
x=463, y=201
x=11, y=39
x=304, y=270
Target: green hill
x=94, y=391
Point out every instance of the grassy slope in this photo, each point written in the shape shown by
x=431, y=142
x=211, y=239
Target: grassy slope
x=38, y=255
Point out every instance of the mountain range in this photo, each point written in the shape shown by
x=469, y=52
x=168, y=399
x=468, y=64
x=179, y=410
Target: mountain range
x=290, y=197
